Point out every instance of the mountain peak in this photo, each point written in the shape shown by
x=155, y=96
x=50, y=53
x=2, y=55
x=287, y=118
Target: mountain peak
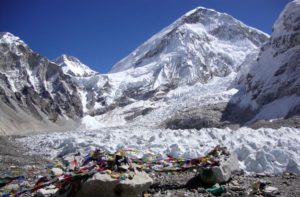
x=211, y=19
x=65, y=57
x=4, y=35
x=198, y=10
x=9, y=38
x=73, y=66
x=288, y=21
x=195, y=34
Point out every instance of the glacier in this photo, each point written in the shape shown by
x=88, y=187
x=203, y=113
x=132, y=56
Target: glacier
x=262, y=150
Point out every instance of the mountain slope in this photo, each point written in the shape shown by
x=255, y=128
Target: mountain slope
x=34, y=92
x=271, y=87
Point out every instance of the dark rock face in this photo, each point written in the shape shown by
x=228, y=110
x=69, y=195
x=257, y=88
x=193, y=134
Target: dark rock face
x=137, y=112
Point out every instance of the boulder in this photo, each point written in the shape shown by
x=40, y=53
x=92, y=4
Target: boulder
x=293, y=167
x=103, y=185
x=221, y=173
x=57, y=171
x=271, y=191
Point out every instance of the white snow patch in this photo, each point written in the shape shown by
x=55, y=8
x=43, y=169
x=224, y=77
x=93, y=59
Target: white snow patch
x=83, y=99
x=90, y=123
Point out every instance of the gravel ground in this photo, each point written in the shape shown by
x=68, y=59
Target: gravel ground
x=187, y=184
x=11, y=154
x=14, y=161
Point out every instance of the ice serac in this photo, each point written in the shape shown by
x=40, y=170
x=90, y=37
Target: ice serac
x=73, y=67
x=34, y=92
x=271, y=87
x=198, y=46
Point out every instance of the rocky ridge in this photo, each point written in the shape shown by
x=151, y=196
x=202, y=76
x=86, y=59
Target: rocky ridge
x=34, y=91
x=269, y=87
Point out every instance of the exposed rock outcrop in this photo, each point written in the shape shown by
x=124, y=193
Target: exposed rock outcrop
x=34, y=92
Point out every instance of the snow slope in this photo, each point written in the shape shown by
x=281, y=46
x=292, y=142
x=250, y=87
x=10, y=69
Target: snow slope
x=262, y=150
x=182, y=98
x=200, y=45
x=196, y=34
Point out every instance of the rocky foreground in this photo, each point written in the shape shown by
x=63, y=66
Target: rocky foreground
x=188, y=184
x=15, y=162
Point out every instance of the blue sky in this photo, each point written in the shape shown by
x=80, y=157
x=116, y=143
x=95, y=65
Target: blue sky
x=102, y=32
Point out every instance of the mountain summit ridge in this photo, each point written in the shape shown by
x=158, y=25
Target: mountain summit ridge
x=73, y=66
x=207, y=19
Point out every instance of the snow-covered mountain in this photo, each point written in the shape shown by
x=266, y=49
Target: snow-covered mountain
x=204, y=72
x=199, y=47
x=201, y=44
x=187, y=66
x=73, y=67
x=270, y=87
x=34, y=92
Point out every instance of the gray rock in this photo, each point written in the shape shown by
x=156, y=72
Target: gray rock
x=222, y=173
x=197, y=118
x=271, y=191
x=14, y=187
x=293, y=167
x=201, y=190
x=104, y=185
x=236, y=188
x=47, y=192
